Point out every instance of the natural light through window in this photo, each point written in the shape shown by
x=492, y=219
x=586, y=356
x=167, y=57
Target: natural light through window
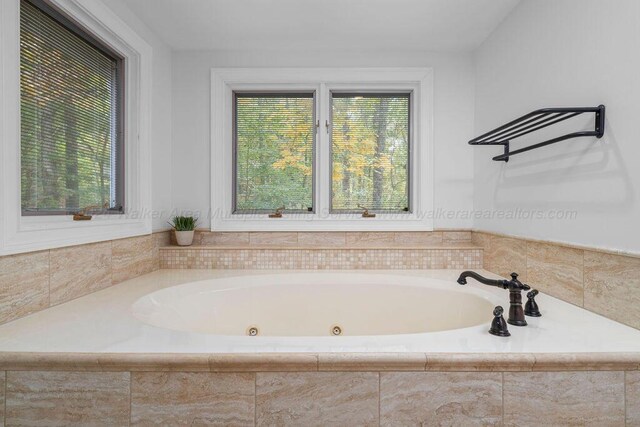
x=274, y=151
x=321, y=149
x=370, y=151
x=70, y=117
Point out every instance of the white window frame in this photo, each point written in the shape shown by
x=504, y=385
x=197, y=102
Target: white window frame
x=29, y=233
x=417, y=80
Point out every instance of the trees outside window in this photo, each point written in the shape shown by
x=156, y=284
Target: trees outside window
x=274, y=137
x=70, y=106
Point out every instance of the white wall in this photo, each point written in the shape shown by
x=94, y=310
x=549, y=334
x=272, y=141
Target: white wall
x=453, y=118
x=160, y=115
x=564, y=53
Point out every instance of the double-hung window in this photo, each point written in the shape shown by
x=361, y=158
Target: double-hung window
x=71, y=116
x=321, y=152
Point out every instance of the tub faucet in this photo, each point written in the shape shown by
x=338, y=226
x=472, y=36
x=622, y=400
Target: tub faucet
x=515, y=287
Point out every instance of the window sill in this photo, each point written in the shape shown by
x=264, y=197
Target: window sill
x=382, y=222
x=49, y=232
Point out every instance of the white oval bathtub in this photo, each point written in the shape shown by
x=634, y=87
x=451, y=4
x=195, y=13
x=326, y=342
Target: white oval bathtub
x=313, y=304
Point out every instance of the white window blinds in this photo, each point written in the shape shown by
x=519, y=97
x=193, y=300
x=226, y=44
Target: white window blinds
x=274, y=135
x=71, y=147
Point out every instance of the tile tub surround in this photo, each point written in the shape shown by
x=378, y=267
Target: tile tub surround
x=333, y=239
x=34, y=281
x=376, y=398
x=320, y=258
x=325, y=250
x=599, y=281
x=314, y=388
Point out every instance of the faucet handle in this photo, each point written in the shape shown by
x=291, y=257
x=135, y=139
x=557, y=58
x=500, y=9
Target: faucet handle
x=517, y=285
x=498, y=325
x=531, y=307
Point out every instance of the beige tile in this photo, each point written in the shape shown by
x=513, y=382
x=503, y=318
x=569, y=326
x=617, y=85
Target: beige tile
x=223, y=239
x=365, y=238
x=586, y=361
x=49, y=361
x=24, y=284
x=633, y=397
x=371, y=362
x=162, y=238
x=612, y=286
x=419, y=238
x=481, y=239
x=263, y=362
x=330, y=239
x=564, y=398
x=164, y=362
x=197, y=237
x=441, y=398
x=456, y=236
x=317, y=399
x=479, y=362
x=192, y=398
x=79, y=270
x=67, y=398
x=132, y=257
x=3, y=377
x=555, y=270
x=273, y=239
x=506, y=255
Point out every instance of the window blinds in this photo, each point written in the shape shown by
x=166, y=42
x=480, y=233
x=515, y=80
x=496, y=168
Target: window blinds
x=370, y=151
x=274, y=136
x=70, y=117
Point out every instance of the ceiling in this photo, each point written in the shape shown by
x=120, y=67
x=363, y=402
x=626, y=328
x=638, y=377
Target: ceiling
x=438, y=25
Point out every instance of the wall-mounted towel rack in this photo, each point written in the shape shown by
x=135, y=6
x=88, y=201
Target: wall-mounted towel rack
x=537, y=120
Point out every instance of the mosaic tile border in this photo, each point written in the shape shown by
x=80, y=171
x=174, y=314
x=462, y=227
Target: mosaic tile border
x=319, y=259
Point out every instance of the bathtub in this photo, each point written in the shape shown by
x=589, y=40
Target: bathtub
x=316, y=305
x=214, y=311
x=410, y=346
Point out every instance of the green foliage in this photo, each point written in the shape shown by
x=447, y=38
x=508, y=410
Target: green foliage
x=274, y=153
x=67, y=132
x=370, y=152
x=184, y=223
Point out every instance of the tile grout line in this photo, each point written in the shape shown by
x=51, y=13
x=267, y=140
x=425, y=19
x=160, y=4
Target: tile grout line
x=625, y=396
x=130, y=400
x=502, y=392
x=379, y=398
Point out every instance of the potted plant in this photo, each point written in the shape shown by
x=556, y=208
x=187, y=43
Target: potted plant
x=184, y=227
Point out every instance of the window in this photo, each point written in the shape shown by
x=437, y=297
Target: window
x=324, y=143
x=370, y=151
x=71, y=98
x=274, y=138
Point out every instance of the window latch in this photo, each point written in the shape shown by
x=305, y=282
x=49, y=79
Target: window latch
x=326, y=124
x=277, y=213
x=366, y=213
x=82, y=214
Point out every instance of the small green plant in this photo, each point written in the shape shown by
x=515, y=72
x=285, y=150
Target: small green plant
x=184, y=223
